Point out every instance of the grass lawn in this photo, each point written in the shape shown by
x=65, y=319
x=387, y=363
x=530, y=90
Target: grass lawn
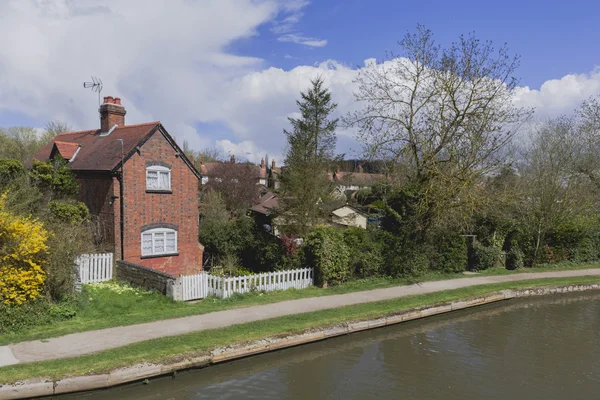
x=108, y=305
x=196, y=344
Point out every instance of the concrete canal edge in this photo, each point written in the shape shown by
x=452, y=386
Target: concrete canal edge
x=48, y=387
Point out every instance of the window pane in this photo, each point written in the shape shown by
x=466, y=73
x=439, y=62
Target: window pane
x=146, y=244
x=159, y=243
x=171, y=243
x=164, y=180
x=152, y=180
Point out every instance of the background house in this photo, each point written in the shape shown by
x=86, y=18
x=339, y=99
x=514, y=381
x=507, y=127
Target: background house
x=140, y=186
x=348, y=216
x=265, y=213
x=215, y=170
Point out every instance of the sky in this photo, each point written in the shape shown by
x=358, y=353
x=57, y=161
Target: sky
x=226, y=73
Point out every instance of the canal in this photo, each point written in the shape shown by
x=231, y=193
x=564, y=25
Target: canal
x=538, y=348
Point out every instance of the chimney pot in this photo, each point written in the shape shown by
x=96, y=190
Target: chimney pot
x=262, y=162
x=118, y=100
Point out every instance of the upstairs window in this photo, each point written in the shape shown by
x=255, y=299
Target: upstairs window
x=158, y=178
x=159, y=241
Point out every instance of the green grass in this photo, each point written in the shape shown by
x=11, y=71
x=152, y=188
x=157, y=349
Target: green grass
x=101, y=307
x=196, y=344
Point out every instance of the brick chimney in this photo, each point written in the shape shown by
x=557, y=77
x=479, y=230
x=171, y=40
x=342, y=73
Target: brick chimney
x=262, y=163
x=112, y=113
x=273, y=164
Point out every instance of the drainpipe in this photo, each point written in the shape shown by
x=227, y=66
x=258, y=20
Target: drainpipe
x=122, y=204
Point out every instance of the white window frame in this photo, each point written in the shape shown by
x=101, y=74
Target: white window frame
x=153, y=233
x=159, y=169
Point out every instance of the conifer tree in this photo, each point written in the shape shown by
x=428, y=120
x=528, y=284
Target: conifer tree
x=306, y=187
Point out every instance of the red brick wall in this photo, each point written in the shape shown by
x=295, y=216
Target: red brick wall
x=179, y=208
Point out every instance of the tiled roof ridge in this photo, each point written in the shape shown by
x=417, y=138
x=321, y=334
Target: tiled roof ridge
x=120, y=127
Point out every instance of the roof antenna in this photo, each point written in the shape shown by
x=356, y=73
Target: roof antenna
x=96, y=85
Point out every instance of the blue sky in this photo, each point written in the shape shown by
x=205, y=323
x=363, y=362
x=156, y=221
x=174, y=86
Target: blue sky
x=226, y=73
x=553, y=38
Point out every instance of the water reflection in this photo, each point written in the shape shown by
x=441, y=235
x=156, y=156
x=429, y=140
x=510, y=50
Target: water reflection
x=543, y=348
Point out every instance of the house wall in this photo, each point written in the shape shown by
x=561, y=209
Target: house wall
x=180, y=208
x=349, y=217
x=95, y=190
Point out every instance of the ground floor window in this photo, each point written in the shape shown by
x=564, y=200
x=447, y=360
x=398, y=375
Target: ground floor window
x=159, y=241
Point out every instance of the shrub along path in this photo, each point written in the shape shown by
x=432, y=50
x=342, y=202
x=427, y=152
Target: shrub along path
x=95, y=341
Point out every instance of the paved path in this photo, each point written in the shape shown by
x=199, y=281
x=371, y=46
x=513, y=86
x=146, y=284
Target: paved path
x=77, y=344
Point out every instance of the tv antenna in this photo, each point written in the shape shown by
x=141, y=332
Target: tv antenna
x=96, y=85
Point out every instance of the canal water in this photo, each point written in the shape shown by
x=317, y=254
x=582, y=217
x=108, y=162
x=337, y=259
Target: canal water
x=542, y=348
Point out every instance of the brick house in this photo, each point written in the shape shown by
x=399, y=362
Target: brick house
x=141, y=187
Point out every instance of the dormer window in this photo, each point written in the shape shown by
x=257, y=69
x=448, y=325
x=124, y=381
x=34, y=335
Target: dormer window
x=158, y=178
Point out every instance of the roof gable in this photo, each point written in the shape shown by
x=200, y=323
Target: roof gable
x=66, y=149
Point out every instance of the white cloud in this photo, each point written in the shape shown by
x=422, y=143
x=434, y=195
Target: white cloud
x=162, y=57
x=285, y=25
x=304, y=40
x=560, y=96
x=167, y=60
x=245, y=150
x=292, y=13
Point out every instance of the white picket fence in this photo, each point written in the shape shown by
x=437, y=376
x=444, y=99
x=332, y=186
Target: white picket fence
x=94, y=267
x=203, y=284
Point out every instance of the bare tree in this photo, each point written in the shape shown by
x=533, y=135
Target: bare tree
x=552, y=192
x=587, y=159
x=54, y=128
x=237, y=183
x=444, y=113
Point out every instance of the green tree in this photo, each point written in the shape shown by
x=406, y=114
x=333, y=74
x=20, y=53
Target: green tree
x=305, y=186
x=54, y=178
x=441, y=116
x=21, y=143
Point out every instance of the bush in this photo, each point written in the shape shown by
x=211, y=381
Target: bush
x=484, y=257
x=514, y=259
x=403, y=258
x=55, y=176
x=452, y=254
x=413, y=263
x=587, y=250
x=366, y=259
x=14, y=318
x=10, y=169
x=22, y=256
x=65, y=244
x=229, y=237
x=72, y=212
x=327, y=253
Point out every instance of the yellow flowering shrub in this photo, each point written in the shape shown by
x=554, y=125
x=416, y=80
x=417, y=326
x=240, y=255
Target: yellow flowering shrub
x=22, y=257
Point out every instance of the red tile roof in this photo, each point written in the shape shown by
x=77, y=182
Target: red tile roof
x=66, y=150
x=98, y=153
x=267, y=204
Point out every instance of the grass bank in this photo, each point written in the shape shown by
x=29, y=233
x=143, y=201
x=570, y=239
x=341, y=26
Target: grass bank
x=110, y=305
x=175, y=348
